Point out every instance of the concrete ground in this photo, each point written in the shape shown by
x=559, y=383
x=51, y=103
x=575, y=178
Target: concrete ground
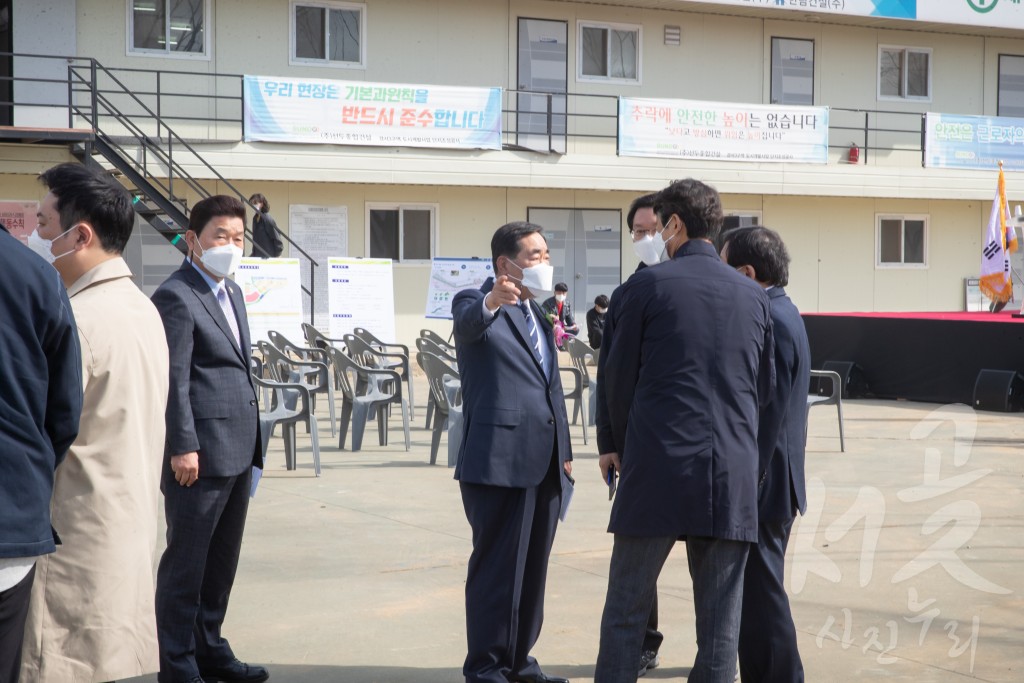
x=907, y=566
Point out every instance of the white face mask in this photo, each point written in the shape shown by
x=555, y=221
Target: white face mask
x=539, y=278
x=44, y=247
x=600, y=311
x=559, y=298
x=222, y=261
x=647, y=251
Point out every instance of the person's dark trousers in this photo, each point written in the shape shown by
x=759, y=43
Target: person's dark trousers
x=768, y=649
x=13, y=612
x=716, y=569
x=513, y=530
x=652, y=636
x=205, y=522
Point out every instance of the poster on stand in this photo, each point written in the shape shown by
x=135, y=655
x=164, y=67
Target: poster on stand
x=361, y=293
x=448, y=277
x=322, y=232
x=272, y=290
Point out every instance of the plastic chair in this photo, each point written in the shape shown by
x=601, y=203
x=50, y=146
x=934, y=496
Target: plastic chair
x=425, y=345
x=580, y=354
x=835, y=398
x=438, y=339
x=576, y=394
x=316, y=339
x=399, y=354
x=288, y=405
x=365, y=390
x=369, y=355
x=288, y=347
x=437, y=371
x=314, y=375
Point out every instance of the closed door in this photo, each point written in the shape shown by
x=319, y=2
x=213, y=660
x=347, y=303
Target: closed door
x=584, y=246
x=542, y=70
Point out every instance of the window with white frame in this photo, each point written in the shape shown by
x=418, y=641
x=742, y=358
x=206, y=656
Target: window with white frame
x=904, y=73
x=1011, y=86
x=902, y=241
x=328, y=33
x=168, y=27
x=401, y=232
x=608, y=52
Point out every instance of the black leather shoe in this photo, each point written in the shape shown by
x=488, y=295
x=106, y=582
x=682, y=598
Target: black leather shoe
x=539, y=678
x=234, y=672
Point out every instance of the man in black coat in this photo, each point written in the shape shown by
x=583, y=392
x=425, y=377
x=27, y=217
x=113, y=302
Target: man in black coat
x=515, y=459
x=559, y=308
x=767, y=647
x=685, y=374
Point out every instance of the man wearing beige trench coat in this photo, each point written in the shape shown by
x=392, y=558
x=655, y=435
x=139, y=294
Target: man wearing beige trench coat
x=91, y=616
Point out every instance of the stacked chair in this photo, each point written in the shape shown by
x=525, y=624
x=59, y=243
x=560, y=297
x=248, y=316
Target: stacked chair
x=436, y=357
x=285, y=404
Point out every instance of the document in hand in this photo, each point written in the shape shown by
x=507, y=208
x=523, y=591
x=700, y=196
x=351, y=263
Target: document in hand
x=566, y=496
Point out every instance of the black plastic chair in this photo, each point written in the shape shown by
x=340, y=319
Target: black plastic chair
x=437, y=372
x=364, y=391
x=314, y=375
x=288, y=405
x=398, y=355
x=425, y=345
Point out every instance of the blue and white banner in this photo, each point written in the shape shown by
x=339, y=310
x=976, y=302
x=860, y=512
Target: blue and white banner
x=954, y=141
x=310, y=110
x=722, y=131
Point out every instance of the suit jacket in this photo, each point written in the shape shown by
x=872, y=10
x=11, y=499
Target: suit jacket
x=550, y=307
x=782, y=434
x=513, y=414
x=211, y=407
x=687, y=369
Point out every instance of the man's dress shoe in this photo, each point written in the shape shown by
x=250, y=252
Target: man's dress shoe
x=539, y=678
x=234, y=672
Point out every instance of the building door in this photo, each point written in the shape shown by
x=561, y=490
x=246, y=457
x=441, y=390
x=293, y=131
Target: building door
x=542, y=69
x=584, y=245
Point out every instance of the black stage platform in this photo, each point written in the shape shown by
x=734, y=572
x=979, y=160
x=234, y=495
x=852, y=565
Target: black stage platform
x=932, y=357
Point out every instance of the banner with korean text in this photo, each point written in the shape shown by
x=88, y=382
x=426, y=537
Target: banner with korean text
x=321, y=111
x=722, y=131
x=954, y=141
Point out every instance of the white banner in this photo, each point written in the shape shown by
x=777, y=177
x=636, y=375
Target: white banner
x=448, y=277
x=361, y=293
x=322, y=232
x=722, y=131
x=313, y=110
x=272, y=290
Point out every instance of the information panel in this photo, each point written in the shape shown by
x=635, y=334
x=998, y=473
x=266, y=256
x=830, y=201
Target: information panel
x=361, y=293
x=322, y=232
x=448, y=277
x=272, y=290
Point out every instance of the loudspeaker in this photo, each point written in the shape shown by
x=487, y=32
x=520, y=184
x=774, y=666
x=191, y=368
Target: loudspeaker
x=852, y=377
x=999, y=390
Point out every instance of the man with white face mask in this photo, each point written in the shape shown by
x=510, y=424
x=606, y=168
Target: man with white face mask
x=515, y=458
x=91, y=617
x=213, y=441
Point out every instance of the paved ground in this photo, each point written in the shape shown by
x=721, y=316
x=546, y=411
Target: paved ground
x=907, y=567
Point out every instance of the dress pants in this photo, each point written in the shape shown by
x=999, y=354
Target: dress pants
x=768, y=649
x=652, y=636
x=204, y=536
x=13, y=612
x=716, y=569
x=513, y=530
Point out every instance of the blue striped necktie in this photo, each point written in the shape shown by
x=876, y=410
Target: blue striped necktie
x=531, y=326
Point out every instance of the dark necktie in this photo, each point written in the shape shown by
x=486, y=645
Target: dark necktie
x=534, y=330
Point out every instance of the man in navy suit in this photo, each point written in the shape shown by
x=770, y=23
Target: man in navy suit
x=515, y=457
x=767, y=648
x=687, y=369
x=212, y=443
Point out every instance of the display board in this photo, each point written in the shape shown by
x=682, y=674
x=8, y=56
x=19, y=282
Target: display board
x=448, y=277
x=322, y=232
x=272, y=290
x=361, y=293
